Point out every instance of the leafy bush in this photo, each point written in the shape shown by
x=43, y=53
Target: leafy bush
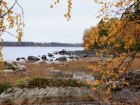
x=43, y=83
x=4, y=86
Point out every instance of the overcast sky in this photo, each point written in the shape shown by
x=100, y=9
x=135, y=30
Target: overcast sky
x=49, y=25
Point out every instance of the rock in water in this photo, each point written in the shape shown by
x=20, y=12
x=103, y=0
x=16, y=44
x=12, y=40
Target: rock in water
x=33, y=58
x=22, y=58
x=44, y=57
x=50, y=55
x=63, y=52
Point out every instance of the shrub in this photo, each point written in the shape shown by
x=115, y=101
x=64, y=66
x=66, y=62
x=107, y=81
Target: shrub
x=43, y=83
x=4, y=86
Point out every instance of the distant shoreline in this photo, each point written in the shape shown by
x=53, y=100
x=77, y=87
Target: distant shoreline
x=42, y=46
x=38, y=44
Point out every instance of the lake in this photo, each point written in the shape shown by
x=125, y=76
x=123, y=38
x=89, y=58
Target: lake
x=11, y=53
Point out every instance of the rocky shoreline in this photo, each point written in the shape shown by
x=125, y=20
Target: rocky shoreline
x=61, y=56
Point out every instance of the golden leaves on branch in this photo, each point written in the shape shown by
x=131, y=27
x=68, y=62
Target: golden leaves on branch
x=69, y=7
x=111, y=8
x=11, y=20
x=107, y=70
x=114, y=34
x=68, y=14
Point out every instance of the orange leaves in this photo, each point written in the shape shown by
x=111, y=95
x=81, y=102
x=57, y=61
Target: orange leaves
x=97, y=82
x=104, y=34
x=114, y=34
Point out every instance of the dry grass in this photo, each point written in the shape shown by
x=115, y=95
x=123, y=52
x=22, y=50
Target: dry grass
x=40, y=70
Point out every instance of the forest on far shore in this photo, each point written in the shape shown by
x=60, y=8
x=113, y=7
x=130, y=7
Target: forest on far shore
x=36, y=44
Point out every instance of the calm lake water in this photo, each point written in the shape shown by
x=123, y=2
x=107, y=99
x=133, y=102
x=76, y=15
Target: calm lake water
x=11, y=53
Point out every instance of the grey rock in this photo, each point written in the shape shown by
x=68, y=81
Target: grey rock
x=61, y=58
x=47, y=92
x=63, y=52
x=22, y=58
x=51, y=60
x=33, y=58
x=44, y=57
x=50, y=55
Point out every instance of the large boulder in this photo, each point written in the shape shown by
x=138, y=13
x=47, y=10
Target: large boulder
x=33, y=58
x=61, y=58
x=47, y=96
x=47, y=92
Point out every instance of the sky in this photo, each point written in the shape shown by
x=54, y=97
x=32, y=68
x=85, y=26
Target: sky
x=43, y=24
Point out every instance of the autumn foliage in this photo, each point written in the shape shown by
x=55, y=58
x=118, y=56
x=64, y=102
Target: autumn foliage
x=114, y=34
x=120, y=36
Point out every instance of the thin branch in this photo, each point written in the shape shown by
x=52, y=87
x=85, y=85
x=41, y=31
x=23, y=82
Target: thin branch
x=127, y=9
x=131, y=61
x=124, y=60
x=10, y=34
x=21, y=8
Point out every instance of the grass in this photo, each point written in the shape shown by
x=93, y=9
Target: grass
x=4, y=86
x=40, y=70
